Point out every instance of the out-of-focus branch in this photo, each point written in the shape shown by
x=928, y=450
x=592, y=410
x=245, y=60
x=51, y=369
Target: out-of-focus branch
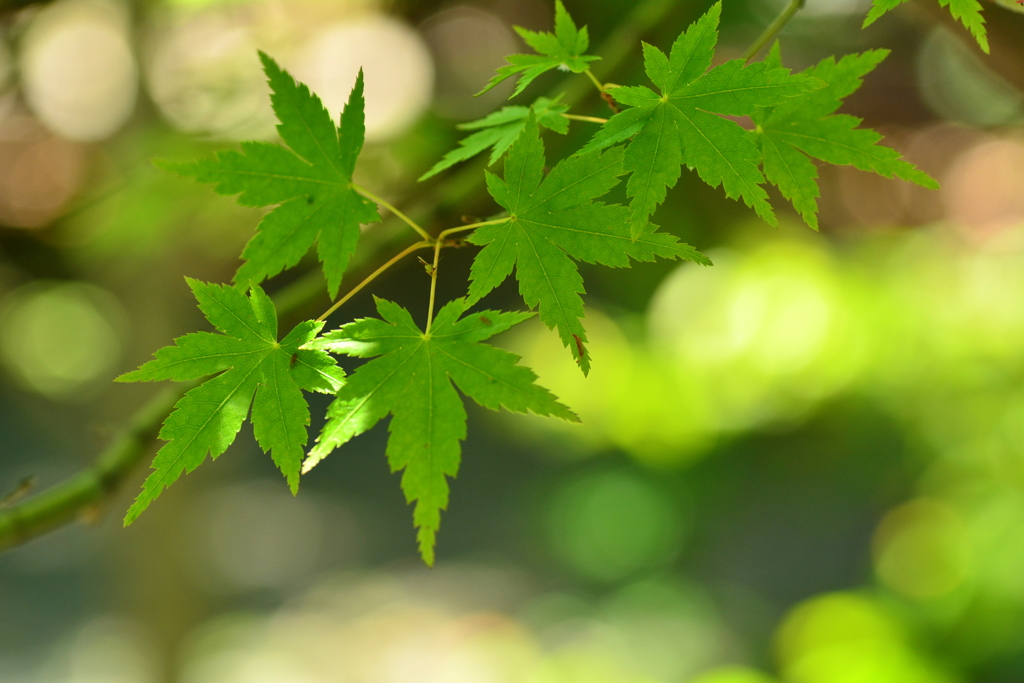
x=15, y=5
x=83, y=495
x=787, y=13
x=1005, y=38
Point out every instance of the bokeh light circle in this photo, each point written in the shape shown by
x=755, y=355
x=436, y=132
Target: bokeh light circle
x=468, y=45
x=39, y=172
x=985, y=188
x=204, y=75
x=60, y=338
x=606, y=526
x=734, y=674
x=78, y=69
x=397, y=66
x=848, y=638
x=922, y=549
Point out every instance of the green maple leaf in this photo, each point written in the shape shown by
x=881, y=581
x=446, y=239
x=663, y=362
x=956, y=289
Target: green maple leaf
x=251, y=368
x=806, y=125
x=312, y=182
x=968, y=12
x=500, y=129
x=682, y=126
x=553, y=220
x=564, y=49
x=411, y=379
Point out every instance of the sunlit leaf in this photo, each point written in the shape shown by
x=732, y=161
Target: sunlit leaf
x=312, y=182
x=252, y=369
x=411, y=378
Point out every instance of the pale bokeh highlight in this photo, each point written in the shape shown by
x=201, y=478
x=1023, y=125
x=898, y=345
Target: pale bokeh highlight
x=78, y=68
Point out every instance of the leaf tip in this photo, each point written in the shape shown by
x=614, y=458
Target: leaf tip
x=358, y=87
x=313, y=458
x=137, y=508
x=268, y=63
x=427, y=540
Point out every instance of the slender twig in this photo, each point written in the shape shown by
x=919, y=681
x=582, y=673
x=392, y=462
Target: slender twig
x=410, y=222
x=773, y=29
x=591, y=119
x=374, y=275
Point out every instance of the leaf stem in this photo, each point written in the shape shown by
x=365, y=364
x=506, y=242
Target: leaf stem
x=441, y=241
x=591, y=119
x=598, y=84
x=437, y=244
x=408, y=221
x=773, y=29
x=604, y=91
x=472, y=226
x=433, y=281
x=433, y=284
x=374, y=275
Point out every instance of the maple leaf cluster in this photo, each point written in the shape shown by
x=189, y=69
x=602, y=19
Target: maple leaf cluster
x=548, y=223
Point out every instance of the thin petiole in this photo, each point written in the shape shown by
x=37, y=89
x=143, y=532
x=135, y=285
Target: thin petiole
x=462, y=228
x=433, y=281
x=429, y=242
x=604, y=91
x=591, y=119
x=410, y=222
x=373, y=276
x=773, y=29
x=441, y=242
x=597, y=83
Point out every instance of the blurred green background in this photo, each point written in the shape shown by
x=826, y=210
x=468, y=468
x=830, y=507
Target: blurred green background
x=803, y=465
